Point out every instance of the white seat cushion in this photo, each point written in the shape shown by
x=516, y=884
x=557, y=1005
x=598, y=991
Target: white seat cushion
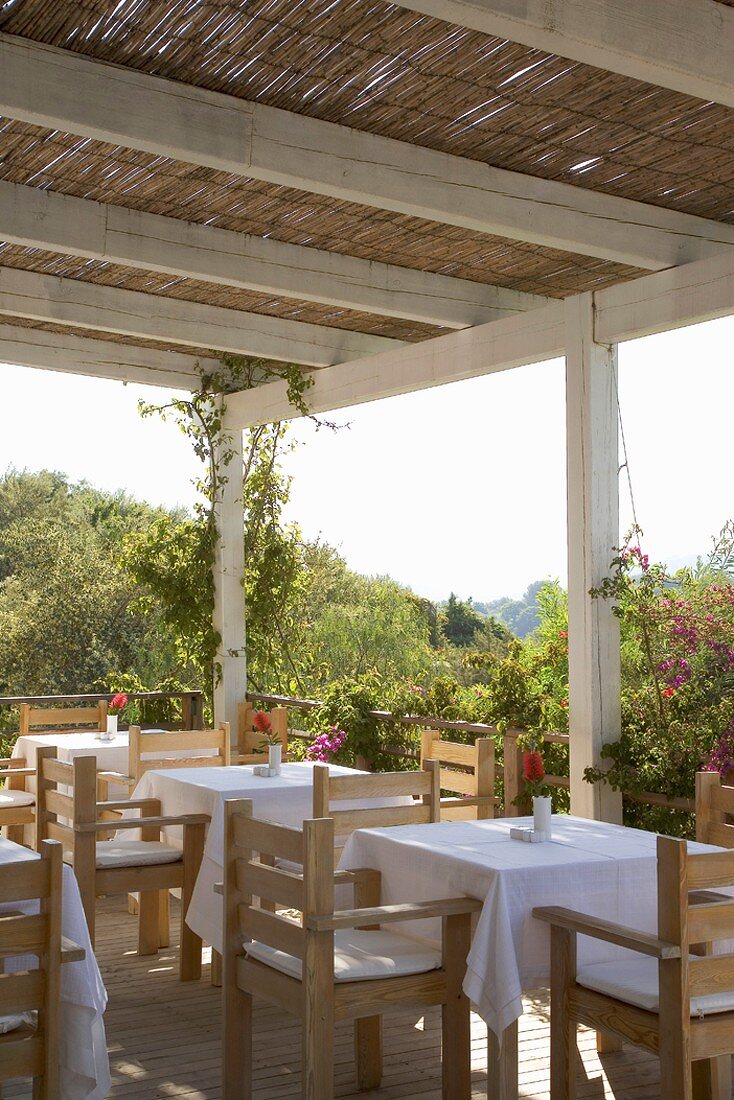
x=135, y=853
x=360, y=956
x=15, y=798
x=635, y=981
x=12, y=1023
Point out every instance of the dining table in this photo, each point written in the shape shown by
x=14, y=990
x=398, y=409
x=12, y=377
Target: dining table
x=594, y=867
x=286, y=799
x=84, y=1069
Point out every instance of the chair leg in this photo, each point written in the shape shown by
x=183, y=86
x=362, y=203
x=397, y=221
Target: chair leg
x=563, y=1025
x=191, y=945
x=149, y=906
x=216, y=969
x=317, y=1049
x=368, y=1052
x=237, y=1045
x=455, y=1012
x=164, y=919
x=15, y=833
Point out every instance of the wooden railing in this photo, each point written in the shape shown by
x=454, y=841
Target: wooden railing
x=192, y=702
x=511, y=767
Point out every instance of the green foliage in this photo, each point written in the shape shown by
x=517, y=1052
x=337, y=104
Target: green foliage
x=460, y=623
x=68, y=615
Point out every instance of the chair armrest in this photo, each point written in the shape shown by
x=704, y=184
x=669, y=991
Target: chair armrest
x=123, y=804
x=598, y=929
x=219, y=888
x=143, y=823
x=391, y=914
x=12, y=773
x=71, y=952
x=117, y=777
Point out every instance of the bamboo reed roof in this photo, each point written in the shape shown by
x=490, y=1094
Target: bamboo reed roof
x=378, y=68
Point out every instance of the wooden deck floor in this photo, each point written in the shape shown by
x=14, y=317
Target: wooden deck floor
x=164, y=1039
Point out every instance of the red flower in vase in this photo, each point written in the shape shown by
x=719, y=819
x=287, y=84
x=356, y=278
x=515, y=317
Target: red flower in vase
x=117, y=703
x=532, y=767
x=260, y=721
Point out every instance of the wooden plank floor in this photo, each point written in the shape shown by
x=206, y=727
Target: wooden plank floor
x=164, y=1039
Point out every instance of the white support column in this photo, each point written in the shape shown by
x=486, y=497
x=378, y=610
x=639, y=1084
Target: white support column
x=593, y=529
x=229, y=598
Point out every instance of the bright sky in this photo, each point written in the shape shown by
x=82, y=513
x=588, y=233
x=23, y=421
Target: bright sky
x=459, y=488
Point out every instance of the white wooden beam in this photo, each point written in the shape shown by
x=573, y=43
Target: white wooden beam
x=28, y=347
x=55, y=88
x=593, y=531
x=685, y=295
x=684, y=45
x=482, y=350
x=229, y=596
x=157, y=317
x=133, y=238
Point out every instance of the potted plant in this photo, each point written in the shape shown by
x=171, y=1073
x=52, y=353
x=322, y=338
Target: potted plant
x=533, y=771
x=270, y=742
x=114, y=709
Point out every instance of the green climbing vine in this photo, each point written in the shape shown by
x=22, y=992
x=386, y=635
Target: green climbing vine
x=173, y=561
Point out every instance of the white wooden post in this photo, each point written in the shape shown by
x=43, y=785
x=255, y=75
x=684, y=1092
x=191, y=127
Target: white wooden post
x=229, y=598
x=593, y=530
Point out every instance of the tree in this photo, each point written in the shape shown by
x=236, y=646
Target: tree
x=460, y=622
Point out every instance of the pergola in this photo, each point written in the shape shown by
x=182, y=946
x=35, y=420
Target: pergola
x=393, y=196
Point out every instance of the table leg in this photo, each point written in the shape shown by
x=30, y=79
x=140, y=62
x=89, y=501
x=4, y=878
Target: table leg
x=502, y=1081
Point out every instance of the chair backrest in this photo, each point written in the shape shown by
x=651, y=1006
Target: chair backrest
x=714, y=804
x=178, y=749
x=252, y=851
x=40, y=989
x=376, y=799
x=62, y=719
x=466, y=771
x=694, y=921
x=250, y=741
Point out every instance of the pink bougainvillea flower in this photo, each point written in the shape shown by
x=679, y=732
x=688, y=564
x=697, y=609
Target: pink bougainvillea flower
x=261, y=721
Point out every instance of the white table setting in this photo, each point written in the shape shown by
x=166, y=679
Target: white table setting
x=597, y=868
x=286, y=799
x=84, y=1064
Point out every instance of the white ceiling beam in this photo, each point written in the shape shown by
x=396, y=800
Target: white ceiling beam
x=157, y=317
x=36, y=218
x=485, y=349
x=667, y=300
x=28, y=347
x=684, y=45
x=62, y=90
x=698, y=292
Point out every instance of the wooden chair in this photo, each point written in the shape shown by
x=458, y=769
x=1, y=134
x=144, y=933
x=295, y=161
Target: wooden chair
x=329, y=966
x=17, y=805
x=250, y=748
x=150, y=751
x=32, y=1050
x=120, y=866
x=62, y=719
x=672, y=999
x=714, y=807
x=466, y=771
x=420, y=786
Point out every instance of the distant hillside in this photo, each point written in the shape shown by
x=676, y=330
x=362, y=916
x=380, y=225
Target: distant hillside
x=520, y=616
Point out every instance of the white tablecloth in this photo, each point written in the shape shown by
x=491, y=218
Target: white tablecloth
x=605, y=870
x=85, y=1069
x=287, y=799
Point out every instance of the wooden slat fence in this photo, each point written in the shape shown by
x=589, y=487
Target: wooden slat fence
x=510, y=768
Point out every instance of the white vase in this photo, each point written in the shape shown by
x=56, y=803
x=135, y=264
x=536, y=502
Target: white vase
x=542, y=815
x=275, y=755
x=111, y=725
